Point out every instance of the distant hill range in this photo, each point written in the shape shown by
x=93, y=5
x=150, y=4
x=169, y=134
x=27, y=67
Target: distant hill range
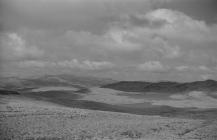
x=163, y=87
x=8, y=92
x=14, y=83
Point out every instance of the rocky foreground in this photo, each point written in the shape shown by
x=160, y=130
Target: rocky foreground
x=22, y=118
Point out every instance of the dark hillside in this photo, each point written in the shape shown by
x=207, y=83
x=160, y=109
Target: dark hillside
x=163, y=87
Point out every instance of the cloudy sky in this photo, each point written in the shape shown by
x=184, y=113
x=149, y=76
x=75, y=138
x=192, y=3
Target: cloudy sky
x=148, y=40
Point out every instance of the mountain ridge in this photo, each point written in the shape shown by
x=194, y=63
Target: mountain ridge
x=53, y=80
x=164, y=86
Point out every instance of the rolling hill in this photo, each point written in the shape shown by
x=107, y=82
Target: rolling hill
x=163, y=87
x=15, y=83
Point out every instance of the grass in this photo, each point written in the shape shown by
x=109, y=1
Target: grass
x=30, y=119
x=95, y=102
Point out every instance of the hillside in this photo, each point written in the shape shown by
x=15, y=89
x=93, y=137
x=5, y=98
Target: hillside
x=23, y=118
x=15, y=83
x=163, y=87
x=8, y=92
x=76, y=108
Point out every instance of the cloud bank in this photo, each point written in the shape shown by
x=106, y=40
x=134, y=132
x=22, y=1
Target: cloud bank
x=138, y=38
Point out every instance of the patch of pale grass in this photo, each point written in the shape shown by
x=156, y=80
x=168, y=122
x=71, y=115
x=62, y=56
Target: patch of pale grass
x=196, y=99
x=57, y=88
x=109, y=96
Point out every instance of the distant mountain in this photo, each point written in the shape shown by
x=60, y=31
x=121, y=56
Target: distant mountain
x=84, y=82
x=89, y=81
x=8, y=92
x=14, y=83
x=163, y=87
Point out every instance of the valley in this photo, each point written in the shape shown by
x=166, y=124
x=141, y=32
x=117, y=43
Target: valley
x=161, y=115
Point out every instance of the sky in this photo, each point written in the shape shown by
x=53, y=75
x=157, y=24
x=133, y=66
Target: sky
x=149, y=40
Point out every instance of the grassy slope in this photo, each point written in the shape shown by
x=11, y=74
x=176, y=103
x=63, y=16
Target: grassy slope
x=22, y=118
x=163, y=87
x=72, y=99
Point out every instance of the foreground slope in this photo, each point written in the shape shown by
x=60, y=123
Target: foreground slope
x=23, y=118
x=47, y=108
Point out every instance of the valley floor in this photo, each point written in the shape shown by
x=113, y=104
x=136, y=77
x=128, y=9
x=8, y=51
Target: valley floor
x=24, y=118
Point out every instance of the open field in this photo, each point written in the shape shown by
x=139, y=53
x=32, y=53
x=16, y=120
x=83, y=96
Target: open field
x=53, y=108
x=190, y=105
x=23, y=118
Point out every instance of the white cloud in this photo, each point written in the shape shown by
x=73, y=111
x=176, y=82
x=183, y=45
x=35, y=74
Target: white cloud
x=87, y=64
x=180, y=26
x=193, y=68
x=119, y=39
x=170, y=24
x=74, y=63
x=203, y=68
x=155, y=31
x=152, y=35
x=165, y=48
x=152, y=66
x=35, y=63
x=206, y=76
x=15, y=47
x=114, y=40
x=182, y=68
